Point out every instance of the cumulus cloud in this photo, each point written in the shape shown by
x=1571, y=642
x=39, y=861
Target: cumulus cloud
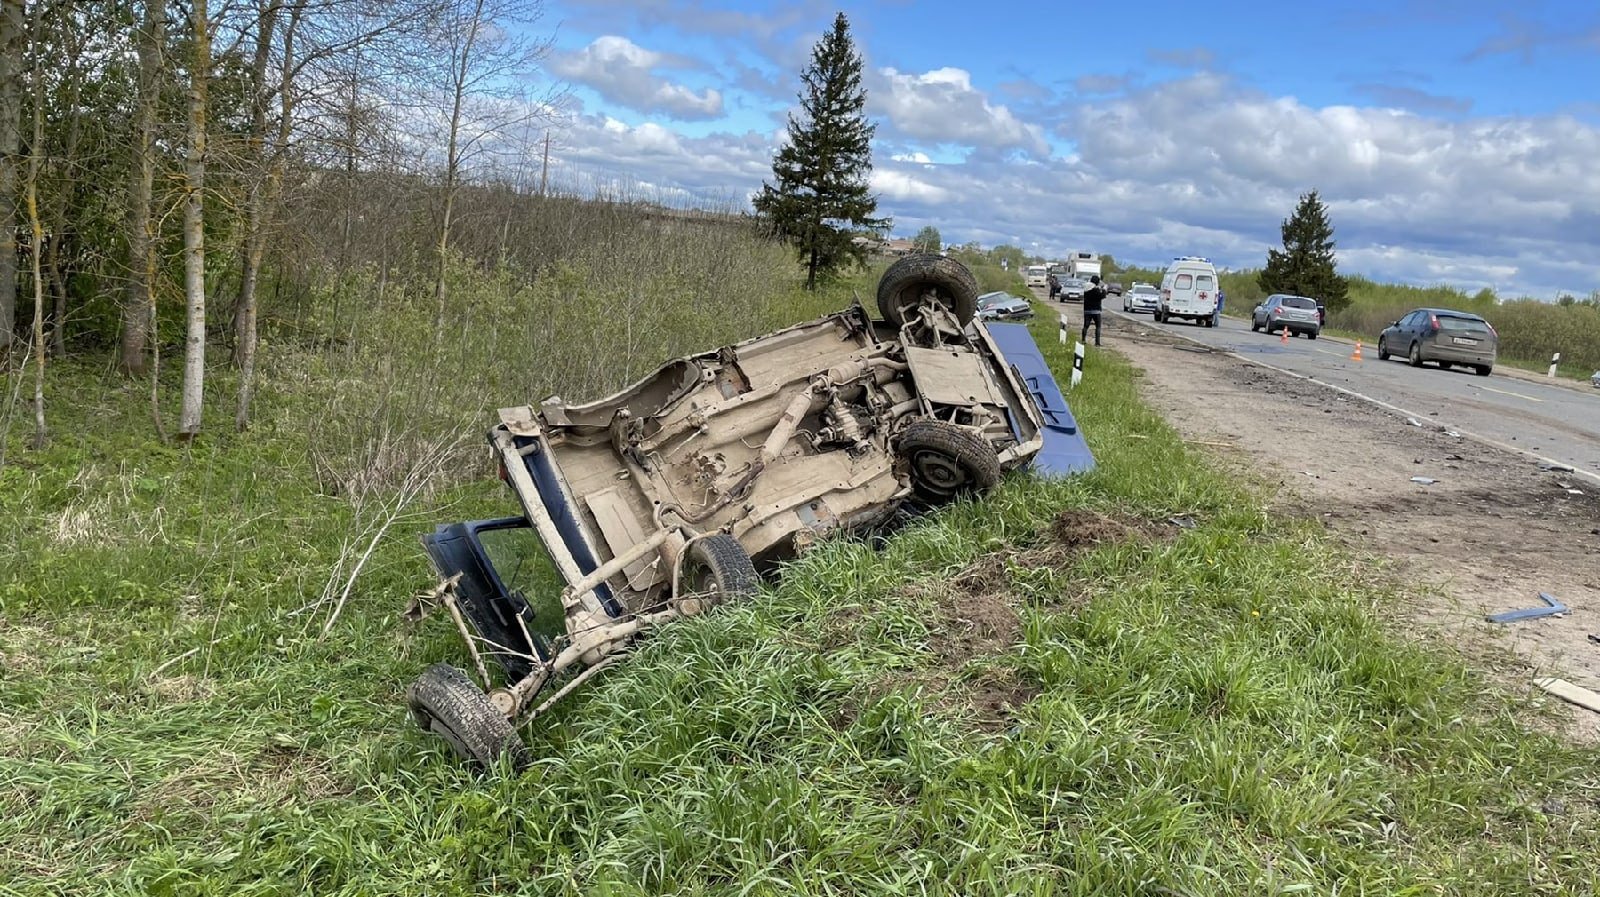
x=625, y=73
x=1200, y=165
x=1402, y=97
x=943, y=107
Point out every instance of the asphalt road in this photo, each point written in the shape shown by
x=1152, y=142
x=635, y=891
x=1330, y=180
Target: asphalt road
x=1557, y=423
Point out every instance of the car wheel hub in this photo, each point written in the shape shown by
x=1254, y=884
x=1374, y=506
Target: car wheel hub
x=939, y=472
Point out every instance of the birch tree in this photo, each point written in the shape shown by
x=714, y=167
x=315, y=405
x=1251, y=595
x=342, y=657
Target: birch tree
x=41, y=433
x=194, y=236
x=11, y=45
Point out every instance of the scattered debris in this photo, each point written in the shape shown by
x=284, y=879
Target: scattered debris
x=1426, y=481
x=1557, y=468
x=1454, y=458
x=1572, y=694
x=1551, y=607
x=1452, y=434
x=1594, y=638
x=1413, y=422
x=1182, y=522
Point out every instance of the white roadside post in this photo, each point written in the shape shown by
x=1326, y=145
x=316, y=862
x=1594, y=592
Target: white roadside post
x=1062, y=331
x=1077, y=363
x=1554, y=360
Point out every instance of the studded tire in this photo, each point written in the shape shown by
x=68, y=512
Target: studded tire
x=718, y=570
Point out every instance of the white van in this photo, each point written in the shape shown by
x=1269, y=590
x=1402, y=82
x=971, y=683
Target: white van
x=1037, y=275
x=1188, y=290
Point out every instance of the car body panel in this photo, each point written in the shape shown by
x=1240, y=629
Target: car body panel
x=1002, y=306
x=1064, y=451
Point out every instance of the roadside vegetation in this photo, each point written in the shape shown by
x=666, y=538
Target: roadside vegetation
x=1133, y=682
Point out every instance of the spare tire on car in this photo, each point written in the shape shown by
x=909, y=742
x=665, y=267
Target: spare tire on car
x=908, y=281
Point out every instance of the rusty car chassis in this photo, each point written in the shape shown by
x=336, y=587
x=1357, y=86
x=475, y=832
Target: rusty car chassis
x=678, y=492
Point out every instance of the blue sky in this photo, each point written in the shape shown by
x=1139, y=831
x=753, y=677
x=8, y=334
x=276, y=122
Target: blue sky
x=1454, y=142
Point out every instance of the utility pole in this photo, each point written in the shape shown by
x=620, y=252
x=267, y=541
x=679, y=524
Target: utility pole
x=544, y=170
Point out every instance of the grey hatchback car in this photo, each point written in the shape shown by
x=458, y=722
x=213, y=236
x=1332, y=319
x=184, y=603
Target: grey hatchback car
x=1444, y=336
x=1297, y=314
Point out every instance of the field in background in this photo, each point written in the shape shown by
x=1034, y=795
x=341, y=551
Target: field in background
x=1530, y=331
x=1058, y=689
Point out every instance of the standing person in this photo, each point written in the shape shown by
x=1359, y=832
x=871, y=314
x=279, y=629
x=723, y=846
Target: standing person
x=1092, y=300
x=1216, y=316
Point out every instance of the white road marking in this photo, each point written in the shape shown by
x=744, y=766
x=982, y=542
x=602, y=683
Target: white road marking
x=1505, y=393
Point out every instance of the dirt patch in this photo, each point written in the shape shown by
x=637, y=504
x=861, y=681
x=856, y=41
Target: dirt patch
x=1489, y=533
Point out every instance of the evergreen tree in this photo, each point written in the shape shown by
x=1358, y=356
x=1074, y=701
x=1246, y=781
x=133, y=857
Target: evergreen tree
x=1305, y=265
x=820, y=200
x=927, y=240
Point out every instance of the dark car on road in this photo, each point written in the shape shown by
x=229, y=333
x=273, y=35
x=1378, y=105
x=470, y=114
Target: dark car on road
x=1113, y=289
x=1002, y=306
x=1300, y=315
x=1444, y=336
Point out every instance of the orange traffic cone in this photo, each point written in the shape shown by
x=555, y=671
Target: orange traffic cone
x=1356, y=355
x=1285, y=337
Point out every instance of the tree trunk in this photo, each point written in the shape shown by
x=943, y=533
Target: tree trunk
x=11, y=46
x=461, y=65
x=194, y=235
x=261, y=196
x=41, y=433
x=138, y=309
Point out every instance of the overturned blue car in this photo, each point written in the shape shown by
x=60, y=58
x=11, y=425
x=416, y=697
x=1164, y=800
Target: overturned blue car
x=685, y=489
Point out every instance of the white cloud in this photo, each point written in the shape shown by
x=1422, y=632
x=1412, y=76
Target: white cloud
x=942, y=106
x=919, y=158
x=625, y=73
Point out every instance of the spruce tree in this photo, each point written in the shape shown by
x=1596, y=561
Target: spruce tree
x=820, y=199
x=1305, y=265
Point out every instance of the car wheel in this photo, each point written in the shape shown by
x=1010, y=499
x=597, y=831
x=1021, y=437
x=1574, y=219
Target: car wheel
x=717, y=569
x=908, y=281
x=947, y=461
x=1416, y=355
x=1311, y=335
x=448, y=704
x=1482, y=370
x=1255, y=326
x=1383, y=350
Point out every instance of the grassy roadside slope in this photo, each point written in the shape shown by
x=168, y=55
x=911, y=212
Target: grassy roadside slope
x=1054, y=690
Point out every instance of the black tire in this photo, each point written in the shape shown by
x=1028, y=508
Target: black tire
x=448, y=704
x=906, y=281
x=719, y=569
x=1415, y=358
x=1383, y=350
x=947, y=461
x=1482, y=370
x=1312, y=335
x=1254, y=327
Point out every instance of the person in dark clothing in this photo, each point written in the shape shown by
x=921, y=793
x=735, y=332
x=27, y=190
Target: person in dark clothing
x=1092, y=300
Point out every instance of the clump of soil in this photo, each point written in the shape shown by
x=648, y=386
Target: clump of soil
x=1080, y=529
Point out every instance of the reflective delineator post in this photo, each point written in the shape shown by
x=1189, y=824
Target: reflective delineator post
x=1554, y=361
x=1077, y=363
x=1063, y=330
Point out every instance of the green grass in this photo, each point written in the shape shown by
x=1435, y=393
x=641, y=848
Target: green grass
x=1217, y=710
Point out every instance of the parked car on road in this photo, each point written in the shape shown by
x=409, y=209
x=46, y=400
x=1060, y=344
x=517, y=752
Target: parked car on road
x=1142, y=297
x=1444, y=336
x=1002, y=306
x=1301, y=315
x=1072, y=289
x=1113, y=289
x=1595, y=380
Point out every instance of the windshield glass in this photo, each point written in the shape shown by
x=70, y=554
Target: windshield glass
x=1184, y=282
x=1143, y=290
x=1299, y=302
x=1204, y=282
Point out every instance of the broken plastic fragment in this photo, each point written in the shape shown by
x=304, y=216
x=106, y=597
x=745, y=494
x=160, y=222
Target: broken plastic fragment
x=1426, y=481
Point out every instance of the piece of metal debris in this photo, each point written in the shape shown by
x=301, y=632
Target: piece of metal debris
x=1557, y=468
x=1426, y=481
x=1551, y=607
x=1413, y=422
x=1182, y=522
x=1572, y=694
